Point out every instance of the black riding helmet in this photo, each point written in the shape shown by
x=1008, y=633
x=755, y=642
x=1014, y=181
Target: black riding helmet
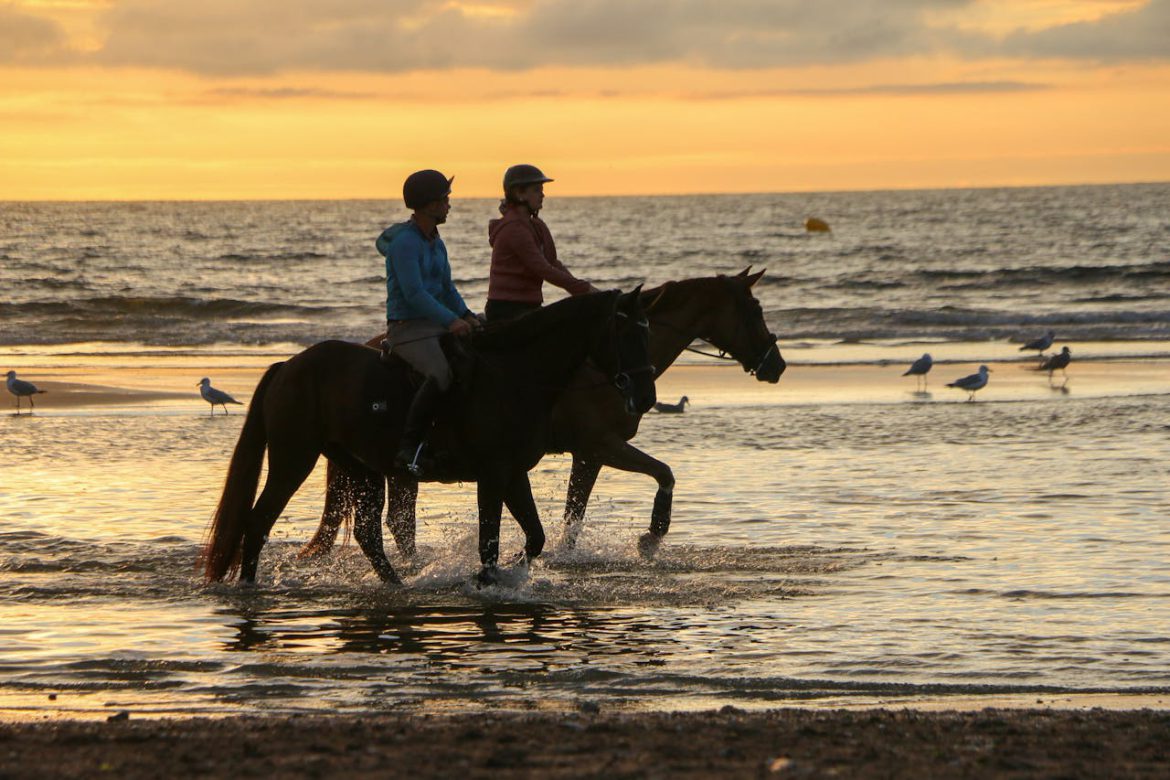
x=522, y=175
x=423, y=187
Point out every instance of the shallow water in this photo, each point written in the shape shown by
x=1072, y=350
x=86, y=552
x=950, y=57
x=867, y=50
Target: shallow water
x=818, y=553
x=830, y=544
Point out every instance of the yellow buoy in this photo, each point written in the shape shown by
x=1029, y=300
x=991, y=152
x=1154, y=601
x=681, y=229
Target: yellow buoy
x=814, y=225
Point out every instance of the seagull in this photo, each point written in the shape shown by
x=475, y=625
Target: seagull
x=22, y=389
x=1055, y=362
x=214, y=397
x=920, y=368
x=1040, y=344
x=672, y=408
x=973, y=382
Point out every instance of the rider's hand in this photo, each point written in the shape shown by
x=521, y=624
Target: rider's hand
x=474, y=320
x=459, y=327
x=592, y=289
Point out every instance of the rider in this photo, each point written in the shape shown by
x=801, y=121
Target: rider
x=422, y=302
x=523, y=253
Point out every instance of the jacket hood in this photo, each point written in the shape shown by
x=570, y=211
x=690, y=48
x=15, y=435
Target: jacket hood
x=383, y=242
x=512, y=213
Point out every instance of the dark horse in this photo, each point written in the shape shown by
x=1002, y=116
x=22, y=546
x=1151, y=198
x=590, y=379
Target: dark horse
x=590, y=421
x=341, y=400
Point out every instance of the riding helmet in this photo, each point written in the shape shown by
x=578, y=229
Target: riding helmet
x=523, y=174
x=423, y=187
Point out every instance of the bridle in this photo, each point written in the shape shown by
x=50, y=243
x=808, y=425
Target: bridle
x=622, y=379
x=724, y=354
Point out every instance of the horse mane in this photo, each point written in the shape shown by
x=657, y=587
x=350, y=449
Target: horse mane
x=653, y=295
x=522, y=331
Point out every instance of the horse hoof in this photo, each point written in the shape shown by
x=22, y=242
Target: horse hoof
x=648, y=545
x=488, y=576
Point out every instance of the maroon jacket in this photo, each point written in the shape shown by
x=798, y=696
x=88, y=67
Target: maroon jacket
x=524, y=257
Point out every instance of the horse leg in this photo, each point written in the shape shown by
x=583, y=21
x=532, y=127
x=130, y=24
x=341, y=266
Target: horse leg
x=520, y=503
x=285, y=475
x=581, y=482
x=340, y=494
x=622, y=455
x=402, y=494
x=490, y=498
x=367, y=527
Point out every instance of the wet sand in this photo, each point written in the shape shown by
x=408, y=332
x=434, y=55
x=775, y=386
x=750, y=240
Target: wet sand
x=122, y=385
x=726, y=743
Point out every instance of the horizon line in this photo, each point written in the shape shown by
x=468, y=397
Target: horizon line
x=248, y=199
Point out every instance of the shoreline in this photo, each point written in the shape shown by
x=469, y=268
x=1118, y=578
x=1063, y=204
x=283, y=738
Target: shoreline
x=163, y=387
x=727, y=742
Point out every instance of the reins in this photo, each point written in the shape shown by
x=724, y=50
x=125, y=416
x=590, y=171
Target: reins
x=722, y=354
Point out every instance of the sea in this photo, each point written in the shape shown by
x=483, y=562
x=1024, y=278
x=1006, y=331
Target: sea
x=893, y=548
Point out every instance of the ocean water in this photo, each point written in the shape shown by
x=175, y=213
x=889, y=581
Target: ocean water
x=1092, y=263
x=821, y=552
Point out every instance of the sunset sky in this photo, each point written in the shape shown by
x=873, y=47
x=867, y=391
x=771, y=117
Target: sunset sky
x=141, y=99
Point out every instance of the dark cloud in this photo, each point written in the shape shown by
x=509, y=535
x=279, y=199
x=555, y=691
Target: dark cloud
x=27, y=38
x=229, y=37
x=894, y=90
x=284, y=93
x=1140, y=34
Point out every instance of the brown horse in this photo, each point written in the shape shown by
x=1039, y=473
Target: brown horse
x=341, y=400
x=590, y=420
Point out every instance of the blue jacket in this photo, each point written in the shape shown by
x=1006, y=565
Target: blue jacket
x=418, y=276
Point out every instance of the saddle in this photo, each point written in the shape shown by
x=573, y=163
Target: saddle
x=459, y=356
x=439, y=457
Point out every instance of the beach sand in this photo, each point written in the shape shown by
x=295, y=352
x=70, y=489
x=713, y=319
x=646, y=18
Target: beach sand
x=724, y=743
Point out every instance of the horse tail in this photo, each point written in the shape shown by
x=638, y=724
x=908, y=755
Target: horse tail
x=222, y=549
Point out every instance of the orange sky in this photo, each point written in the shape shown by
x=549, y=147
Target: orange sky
x=150, y=99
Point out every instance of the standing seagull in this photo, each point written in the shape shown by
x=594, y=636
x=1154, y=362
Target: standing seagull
x=920, y=368
x=1055, y=362
x=1040, y=344
x=972, y=382
x=22, y=389
x=213, y=396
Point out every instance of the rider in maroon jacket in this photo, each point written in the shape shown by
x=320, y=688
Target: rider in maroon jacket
x=524, y=256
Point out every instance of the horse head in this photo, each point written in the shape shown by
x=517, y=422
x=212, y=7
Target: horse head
x=625, y=354
x=735, y=325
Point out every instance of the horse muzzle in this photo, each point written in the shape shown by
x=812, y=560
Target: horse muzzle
x=639, y=394
x=771, y=367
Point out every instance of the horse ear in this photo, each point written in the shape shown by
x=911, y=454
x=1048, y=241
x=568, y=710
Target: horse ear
x=628, y=300
x=745, y=271
x=751, y=280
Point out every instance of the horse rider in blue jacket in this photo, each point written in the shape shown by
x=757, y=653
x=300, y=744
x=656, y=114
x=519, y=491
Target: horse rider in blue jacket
x=422, y=303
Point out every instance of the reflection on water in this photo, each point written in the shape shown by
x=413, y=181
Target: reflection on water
x=816, y=551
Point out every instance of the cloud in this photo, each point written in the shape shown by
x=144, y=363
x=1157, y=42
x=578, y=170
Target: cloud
x=229, y=37
x=1139, y=34
x=284, y=93
x=28, y=38
x=890, y=90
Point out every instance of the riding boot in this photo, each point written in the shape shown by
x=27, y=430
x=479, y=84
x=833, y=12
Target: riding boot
x=421, y=414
